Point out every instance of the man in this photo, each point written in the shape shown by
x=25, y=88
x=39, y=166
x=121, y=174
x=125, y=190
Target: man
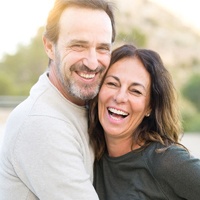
x=45, y=152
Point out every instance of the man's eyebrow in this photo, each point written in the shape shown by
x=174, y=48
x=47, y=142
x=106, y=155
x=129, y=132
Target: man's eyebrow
x=78, y=41
x=75, y=41
x=105, y=45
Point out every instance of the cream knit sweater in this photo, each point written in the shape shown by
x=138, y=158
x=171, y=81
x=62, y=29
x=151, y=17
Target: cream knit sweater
x=45, y=152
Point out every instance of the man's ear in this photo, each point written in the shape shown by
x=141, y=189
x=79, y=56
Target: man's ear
x=49, y=47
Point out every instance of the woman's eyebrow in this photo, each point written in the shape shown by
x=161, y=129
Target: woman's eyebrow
x=133, y=84
x=138, y=84
x=112, y=76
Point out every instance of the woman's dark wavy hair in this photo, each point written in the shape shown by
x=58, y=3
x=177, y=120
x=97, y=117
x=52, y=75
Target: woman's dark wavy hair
x=163, y=125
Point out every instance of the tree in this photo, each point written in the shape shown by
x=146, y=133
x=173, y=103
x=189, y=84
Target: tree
x=191, y=90
x=20, y=71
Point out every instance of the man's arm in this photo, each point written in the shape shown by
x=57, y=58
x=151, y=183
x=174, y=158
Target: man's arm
x=49, y=160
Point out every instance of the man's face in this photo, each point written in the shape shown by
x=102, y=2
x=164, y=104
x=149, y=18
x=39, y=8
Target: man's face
x=82, y=52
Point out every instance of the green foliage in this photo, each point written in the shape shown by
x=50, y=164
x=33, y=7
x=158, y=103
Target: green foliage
x=191, y=90
x=187, y=112
x=20, y=71
x=191, y=124
x=6, y=84
x=191, y=111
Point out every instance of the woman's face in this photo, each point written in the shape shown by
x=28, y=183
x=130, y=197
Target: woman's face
x=124, y=98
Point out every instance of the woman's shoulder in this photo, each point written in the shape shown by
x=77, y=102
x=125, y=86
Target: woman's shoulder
x=170, y=160
x=174, y=169
x=158, y=154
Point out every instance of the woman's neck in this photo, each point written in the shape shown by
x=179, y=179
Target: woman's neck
x=120, y=146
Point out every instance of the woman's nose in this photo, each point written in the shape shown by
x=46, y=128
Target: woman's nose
x=121, y=97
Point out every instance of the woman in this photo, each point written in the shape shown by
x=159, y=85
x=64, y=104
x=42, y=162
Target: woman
x=135, y=129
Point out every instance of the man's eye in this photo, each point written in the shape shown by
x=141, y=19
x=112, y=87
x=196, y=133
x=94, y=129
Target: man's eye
x=104, y=49
x=77, y=47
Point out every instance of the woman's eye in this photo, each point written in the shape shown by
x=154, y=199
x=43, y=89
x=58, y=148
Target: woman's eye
x=111, y=83
x=136, y=92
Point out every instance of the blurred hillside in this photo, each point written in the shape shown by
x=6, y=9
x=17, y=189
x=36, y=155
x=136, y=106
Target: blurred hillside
x=148, y=25
x=142, y=23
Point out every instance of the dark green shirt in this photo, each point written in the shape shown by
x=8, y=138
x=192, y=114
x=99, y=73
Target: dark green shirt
x=147, y=175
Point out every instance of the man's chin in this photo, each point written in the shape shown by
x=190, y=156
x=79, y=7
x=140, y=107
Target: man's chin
x=89, y=94
x=84, y=92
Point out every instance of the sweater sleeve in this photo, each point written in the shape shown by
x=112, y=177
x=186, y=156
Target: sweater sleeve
x=49, y=160
x=178, y=173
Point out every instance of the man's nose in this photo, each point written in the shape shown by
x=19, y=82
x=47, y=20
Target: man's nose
x=91, y=60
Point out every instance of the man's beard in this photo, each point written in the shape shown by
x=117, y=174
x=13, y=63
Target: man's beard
x=85, y=91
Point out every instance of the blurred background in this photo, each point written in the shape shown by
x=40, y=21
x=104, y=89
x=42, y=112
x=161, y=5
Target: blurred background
x=172, y=28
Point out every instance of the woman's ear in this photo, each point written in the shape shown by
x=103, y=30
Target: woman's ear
x=148, y=113
x=49, y=47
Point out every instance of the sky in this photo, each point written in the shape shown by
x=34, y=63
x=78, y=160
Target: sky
x=186, y=10
x=20, y=19
x=19, y=22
